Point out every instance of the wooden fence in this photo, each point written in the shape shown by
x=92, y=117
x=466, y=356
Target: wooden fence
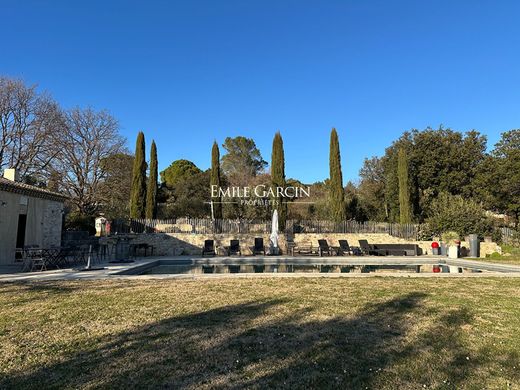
x=228, y=226
x=407, y=231
x=510, y=236
x=189, y=225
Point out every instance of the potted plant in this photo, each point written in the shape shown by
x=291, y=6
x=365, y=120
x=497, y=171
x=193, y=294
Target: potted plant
x=452, y=241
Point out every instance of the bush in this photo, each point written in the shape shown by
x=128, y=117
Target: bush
x=454, y=213
x=79, y=222
x=450, y=237
x=425, y=232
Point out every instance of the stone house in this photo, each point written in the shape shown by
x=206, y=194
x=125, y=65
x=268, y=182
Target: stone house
x=29, y=215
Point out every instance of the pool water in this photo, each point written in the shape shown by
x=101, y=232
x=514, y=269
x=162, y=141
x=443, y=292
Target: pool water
x=299, y=268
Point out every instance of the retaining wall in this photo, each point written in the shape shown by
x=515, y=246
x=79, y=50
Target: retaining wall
x=175, y=244
x=382, y=238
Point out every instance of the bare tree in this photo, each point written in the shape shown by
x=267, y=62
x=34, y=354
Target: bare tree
x=29, y=123
x=89, y=138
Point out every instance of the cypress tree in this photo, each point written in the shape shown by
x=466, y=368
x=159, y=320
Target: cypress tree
x=138, y=194
x=336, y=192
x=404, y=193
x=151, y=190
x=215, y=179
x=278, y=177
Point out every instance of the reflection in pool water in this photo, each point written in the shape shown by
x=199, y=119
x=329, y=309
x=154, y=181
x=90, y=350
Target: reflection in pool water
x=299, y=268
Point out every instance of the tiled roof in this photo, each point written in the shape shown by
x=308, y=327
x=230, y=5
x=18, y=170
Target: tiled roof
x=26, y=189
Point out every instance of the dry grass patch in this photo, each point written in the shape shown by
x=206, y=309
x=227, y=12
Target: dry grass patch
x=308, y=333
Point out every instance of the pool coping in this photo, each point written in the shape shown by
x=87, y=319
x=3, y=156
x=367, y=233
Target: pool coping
x=132, y=270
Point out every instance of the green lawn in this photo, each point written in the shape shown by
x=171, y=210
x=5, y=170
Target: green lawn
x=390, y=333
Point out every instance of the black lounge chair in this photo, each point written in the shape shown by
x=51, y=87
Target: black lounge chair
x=344, y=247
x=209, y=248
x=325, y=248
x=234, y=248
x=368, y=249
x=398, y=249
x=259, y=246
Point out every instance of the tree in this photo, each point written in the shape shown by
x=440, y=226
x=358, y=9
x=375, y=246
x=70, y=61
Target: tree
x=354, y=209
x=441, y=160
x=86, y=140
x=215, y=180
x=404, y=193
x=278, y=177
x=114, y=190
x=242, y=160
x=151, y=189
x=507, y=153
x=258, y=209
x=187, y=197
x=177, y=171
x=30, y=123
x=138, y=196
x=499, y=179
x=371, y=190
x=336, y=192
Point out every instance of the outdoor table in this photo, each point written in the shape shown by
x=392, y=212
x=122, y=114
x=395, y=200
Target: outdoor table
x=55, y=256
x=80, y=254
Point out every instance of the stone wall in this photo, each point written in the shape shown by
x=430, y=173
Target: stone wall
x=380, y=238
x=175, y=244
x=51, y=225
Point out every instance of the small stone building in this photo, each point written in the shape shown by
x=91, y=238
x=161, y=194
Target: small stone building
x=29, y=215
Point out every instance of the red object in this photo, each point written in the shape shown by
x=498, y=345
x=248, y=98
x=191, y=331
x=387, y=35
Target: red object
x=435, y=244
x=436, y=269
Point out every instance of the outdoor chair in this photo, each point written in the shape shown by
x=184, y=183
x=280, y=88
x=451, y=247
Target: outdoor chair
x=325, y=248
x=304, y=248
x=368, y=249
x=21, y=256
x=234, y=248
x=344, y=247
x=37, y=260
x=259, y=247
x=209, y=248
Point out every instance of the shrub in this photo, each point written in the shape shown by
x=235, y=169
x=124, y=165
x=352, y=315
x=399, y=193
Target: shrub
x=79, y=222
x=425, y=232
x=454, y=213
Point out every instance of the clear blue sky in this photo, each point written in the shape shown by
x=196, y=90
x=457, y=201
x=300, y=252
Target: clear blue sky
x=189, y=72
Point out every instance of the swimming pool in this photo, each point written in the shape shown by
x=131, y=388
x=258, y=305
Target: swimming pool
x=267, y=265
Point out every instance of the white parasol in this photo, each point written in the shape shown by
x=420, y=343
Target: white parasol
x=274, y=234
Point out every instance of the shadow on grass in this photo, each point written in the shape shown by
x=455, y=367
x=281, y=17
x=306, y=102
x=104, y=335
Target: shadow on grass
x=255, y=345
x=40, y=287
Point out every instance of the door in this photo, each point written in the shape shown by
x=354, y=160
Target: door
x=20, y=235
